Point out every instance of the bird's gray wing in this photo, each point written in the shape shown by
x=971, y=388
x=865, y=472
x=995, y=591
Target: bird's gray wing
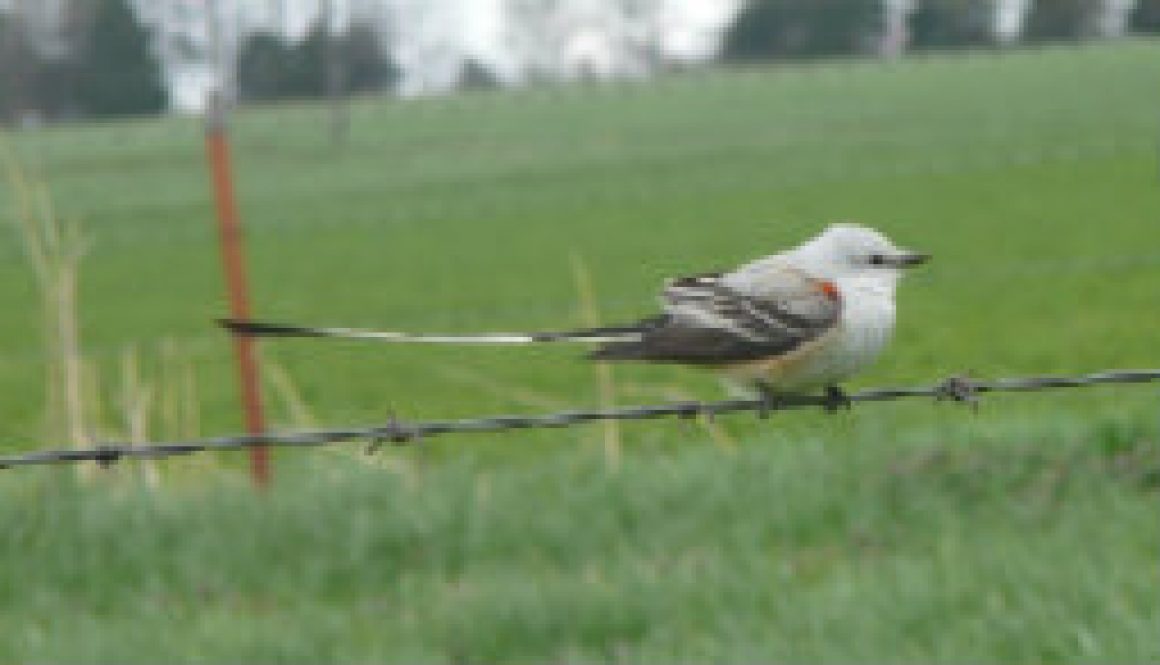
x=713, y=319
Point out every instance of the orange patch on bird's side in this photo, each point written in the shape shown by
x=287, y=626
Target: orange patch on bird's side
x=830, y=289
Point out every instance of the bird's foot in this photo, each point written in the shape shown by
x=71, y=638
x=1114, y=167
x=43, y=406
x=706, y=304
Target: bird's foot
x=960, y=389
x=836, y=399
x=771, y=400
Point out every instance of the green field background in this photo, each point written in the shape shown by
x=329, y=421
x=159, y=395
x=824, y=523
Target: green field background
x=895, y=532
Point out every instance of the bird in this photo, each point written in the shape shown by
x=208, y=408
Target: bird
x=785, y=324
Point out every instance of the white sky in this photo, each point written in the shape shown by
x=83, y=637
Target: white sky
x=431, y=39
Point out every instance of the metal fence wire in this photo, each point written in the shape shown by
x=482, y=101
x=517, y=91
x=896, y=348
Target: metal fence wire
x=399, y=432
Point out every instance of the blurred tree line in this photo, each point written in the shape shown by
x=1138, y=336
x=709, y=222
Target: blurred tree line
x=772, y=29
x=104, y=61
x=101, y=67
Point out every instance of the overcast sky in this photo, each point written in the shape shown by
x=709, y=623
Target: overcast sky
x=517, y=39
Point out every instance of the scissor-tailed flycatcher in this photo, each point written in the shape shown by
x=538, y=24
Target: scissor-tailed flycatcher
x=805, y=318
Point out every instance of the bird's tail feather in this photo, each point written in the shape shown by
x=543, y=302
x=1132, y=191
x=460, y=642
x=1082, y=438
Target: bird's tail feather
x=591, y=336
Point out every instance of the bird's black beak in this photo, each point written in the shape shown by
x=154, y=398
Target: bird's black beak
x=910, y=259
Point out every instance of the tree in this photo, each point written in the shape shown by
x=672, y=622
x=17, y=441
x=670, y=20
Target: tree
x=17, y=68
x=116, y=74
x=306, y=66
x=367, y=68
x=56, y=88
x=1063, y=19
x=475, y=76
x=31, y=84
x=950, y=23
x=269, y=68
x=262, y=67
x=803, y=28
x=1146, y=17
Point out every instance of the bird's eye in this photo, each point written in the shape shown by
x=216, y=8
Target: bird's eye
x=877, y=260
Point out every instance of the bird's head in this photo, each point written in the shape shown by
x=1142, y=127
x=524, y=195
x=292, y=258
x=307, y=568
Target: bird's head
x=850, y=250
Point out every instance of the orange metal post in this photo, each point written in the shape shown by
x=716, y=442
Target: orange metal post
x=233, y=262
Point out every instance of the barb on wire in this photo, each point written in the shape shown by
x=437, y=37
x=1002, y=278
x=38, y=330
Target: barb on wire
x=399, y=432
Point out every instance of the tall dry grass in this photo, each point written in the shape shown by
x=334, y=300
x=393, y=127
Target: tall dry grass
x=54, y=249
x=605, y=381
x=161, y=403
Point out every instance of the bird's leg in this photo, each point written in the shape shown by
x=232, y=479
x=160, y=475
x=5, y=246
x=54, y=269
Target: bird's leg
x=771, y=399
x=836, y=399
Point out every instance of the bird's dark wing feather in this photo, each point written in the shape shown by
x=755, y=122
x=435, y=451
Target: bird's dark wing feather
x=707, y=321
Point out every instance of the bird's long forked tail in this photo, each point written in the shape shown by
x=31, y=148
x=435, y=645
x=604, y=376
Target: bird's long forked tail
x=591, y=336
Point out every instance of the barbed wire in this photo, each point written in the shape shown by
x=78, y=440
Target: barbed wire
x=398, y=432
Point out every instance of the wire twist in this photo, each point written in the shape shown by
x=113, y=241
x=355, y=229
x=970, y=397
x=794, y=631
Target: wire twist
x=398, y=432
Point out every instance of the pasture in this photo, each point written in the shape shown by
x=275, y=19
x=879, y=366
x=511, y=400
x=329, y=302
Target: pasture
x=902, y=531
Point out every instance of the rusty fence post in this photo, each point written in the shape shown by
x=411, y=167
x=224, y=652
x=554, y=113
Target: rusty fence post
x=233, y=263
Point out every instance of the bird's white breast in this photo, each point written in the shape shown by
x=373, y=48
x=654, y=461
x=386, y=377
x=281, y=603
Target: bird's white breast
x=864, y=329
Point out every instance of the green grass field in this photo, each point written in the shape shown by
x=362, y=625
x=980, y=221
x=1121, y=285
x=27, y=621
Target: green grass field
x=895, y=532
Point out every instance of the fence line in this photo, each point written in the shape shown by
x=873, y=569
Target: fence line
x=401, y=432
